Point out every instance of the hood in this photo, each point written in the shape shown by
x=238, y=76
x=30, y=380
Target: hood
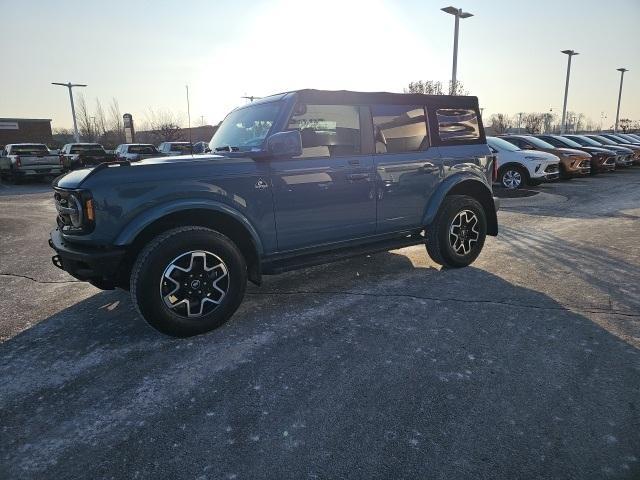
x=573, y=151
x=597, y=150
x=620, y=150
x=158, y=169
x=540, y=154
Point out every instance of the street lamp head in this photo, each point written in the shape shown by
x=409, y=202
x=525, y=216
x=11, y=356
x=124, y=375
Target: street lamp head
x=570, y=52
x=457, y=12
x=622, y=70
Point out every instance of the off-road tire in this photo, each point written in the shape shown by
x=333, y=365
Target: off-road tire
x=149, y=269
x=438, y=241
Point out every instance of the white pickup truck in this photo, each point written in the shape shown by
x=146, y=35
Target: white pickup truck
x=21, y=160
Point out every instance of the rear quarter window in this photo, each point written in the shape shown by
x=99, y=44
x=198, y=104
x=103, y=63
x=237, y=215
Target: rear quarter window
x=457, y=125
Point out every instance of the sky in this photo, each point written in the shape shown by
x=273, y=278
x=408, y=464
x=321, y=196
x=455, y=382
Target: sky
x=143, y=53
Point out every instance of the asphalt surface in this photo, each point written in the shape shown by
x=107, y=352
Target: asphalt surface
x=525, y=365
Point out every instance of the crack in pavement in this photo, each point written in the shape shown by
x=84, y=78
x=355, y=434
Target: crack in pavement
x=17, y=275
x=451, y=299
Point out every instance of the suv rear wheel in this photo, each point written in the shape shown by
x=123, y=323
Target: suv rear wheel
x=188, y=281
x=457, y=235
x=513, y=177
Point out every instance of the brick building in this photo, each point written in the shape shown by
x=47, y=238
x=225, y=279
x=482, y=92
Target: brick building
x=20, y=130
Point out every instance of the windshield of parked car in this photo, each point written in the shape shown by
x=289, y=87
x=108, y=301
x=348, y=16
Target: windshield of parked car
x=604, y=140
x=90, y=149
x=143, y=149
x=539, y=143
x=500, y=144
x=567, y=142
x=180, y=147
x=245, y=129
x=618, y=138
x=586, y=141
x=30, y=150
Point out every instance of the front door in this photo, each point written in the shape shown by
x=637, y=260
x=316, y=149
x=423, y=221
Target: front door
x=328, y=193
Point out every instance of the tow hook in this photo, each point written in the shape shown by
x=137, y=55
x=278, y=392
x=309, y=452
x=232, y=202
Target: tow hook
x=57, y=261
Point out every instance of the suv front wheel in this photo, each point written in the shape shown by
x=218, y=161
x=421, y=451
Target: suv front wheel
x=457, y=235
x=188, y=281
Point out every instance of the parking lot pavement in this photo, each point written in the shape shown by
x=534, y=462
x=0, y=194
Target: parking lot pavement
x=525, y=365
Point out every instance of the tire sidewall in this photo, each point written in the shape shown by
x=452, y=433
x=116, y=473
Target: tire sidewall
x=152, y=264
x=458, y=204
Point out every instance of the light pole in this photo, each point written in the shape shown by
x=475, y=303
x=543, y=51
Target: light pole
x=70, y=85
x=621, y=70
x=570, y=53
x=458, y=13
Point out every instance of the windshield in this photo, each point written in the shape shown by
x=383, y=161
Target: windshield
x=245, y=129
x=30, y=149
x=567, y=142
x=142, y=149
x=604, y=140
x=94, y=149
x=618, y=138
x=180, y=147
x=500, y=144
x=539, y=143
x=586, y=141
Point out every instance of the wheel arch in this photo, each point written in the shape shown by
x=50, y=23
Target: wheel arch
x=224, y=220
x=464, y=185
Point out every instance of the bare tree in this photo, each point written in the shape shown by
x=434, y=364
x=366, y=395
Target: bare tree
x=500, y=123
x=625, y=124
x=164, y=125
x=434, y=87
x=457, y=88
x=100, y=120
x=533, y=122
x=85, y=120
x=426, y=87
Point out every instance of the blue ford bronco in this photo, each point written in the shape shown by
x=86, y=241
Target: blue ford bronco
x=293, y=180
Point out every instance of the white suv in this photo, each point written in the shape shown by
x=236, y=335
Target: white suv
x=517, y=167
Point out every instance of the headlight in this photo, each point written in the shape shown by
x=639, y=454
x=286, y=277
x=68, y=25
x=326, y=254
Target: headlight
x=533, y=159
x=75, y=211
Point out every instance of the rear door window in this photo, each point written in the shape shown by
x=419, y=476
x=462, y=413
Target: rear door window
x=457, y=125
x=327, y=130
x=399, y=128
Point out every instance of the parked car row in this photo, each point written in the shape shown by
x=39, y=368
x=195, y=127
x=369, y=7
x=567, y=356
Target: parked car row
x=533, y=159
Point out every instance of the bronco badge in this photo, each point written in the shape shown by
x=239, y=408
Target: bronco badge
x=261, y=185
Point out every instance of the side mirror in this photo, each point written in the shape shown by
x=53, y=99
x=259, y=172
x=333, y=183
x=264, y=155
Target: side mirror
x=285, y=144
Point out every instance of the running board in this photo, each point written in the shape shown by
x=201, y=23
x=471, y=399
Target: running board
x=272, y=267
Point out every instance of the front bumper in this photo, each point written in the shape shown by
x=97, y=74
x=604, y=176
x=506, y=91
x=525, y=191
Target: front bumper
x=89, y=264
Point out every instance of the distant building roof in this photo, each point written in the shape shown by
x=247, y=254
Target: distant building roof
x=25, y=119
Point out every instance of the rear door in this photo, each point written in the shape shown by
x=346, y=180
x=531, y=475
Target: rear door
x=407, y=166
x=328, y=193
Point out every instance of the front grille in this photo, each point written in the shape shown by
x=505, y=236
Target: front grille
x=553, y=168
x=585, y=164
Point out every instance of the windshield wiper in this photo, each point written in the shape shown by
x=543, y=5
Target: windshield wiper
x=227, y=148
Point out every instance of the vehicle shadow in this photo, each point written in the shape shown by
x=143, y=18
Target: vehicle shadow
x=370, y=367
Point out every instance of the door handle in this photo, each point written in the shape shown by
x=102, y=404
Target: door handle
x=356, y=177
x=354, y=161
